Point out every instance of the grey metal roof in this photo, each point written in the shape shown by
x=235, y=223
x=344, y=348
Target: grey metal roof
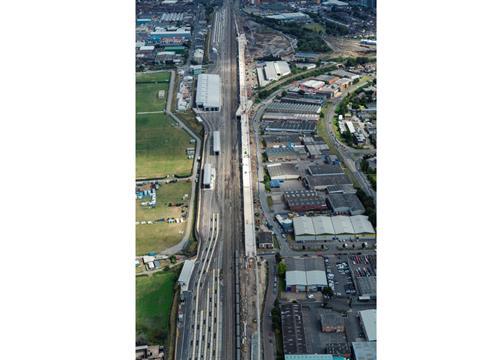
x=366, y=350
x=280, y=170
x=273, y=140
x=294, y=108
x=321, y=170
x=351, y=202
x=342, y=225
x=282, y=116
x=327, y=180
x=290, y=126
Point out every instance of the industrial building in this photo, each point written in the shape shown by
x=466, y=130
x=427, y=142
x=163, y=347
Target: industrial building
x=305, y=274
x=289, y=116
x=285, y=154
x=324, y=170
x=367, y=286
x=312, y=357
x=332, y=322
x=366, y=350
x=345, y=204
x=163, y=33
x=305, y=200
x=208, y=92
x=265, y=240
x=290, y=126
x=186, y=274
x=208, y=176
x=293, y=332
x=272, y=71
x=283, y=171
x=290, y=17
x=325, y=181
x=329, y=228
x=275, y=141
x=216, y=142
x=368, y=321
x=285, y=107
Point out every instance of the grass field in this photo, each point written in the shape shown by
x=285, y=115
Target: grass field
x=167, y=193
x=160, y=147
x=154, y=297
x=163, y=76
x=158, y=237
x=147, y=97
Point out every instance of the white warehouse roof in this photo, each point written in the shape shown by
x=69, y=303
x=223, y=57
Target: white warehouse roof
x=369, y=322
x=208, y=91
x=335, y=225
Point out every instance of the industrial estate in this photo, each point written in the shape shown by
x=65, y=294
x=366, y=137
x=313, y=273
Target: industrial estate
x=256, y=179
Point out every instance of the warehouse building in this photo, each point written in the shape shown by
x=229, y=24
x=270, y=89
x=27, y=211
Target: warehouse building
x=329, y=228
x=340, y=189
x=345, y=204
x=285, y=154
x=208, y=92
x=368, y=321
x=283, y=171
x=325, y=170
x=272, y=71
x=366, y=350
x=275, y=141
x=312, y=357
x=305, y=200
x=285, y=107
x=305, y=274
x=162, y=33
x=290, y=126
x=367, y=286
x=293, y=332
x=289, y=116
x=325, y=181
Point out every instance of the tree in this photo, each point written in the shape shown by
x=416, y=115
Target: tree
x=281, y=269
x=327, y=291
x=173, y=259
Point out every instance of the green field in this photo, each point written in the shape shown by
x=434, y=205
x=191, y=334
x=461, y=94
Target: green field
x=163, y=76
x=158, y=237
x=315, y=27
x=160, y=147
x=147, y=97
x=154, y=298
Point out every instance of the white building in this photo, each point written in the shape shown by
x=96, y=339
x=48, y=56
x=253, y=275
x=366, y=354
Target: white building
x=208, y=92
x=368, y=320
x=328, y=228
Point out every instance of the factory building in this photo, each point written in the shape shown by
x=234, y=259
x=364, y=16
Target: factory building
x=293, y=331
x=283, y=171
x=216, y=142
x=366, y=350
x=305, y=274
x=368, y=321
x=272, y=71
x=325, y=181
x=326, y=228
x=162, y=33
x=208, y=92
x=345, y=204
x=285, y=107
x=305, y=200
x=290, y=126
